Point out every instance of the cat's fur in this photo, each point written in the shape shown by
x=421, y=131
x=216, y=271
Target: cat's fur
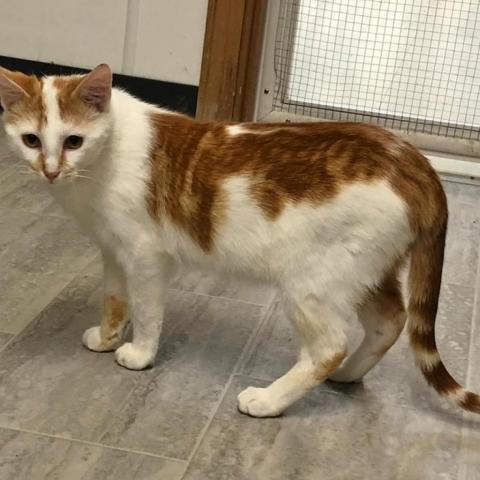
x=328, y=212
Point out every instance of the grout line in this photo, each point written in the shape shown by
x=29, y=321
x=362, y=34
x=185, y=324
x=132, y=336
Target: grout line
x=10, y=340
x=205, y=429
x=46, y=306
x=253, y=377
x=252, y=342
x=246, y=350
x=473, y=325
x=462, y=468
x=119, y=411
x=93, y=444
x=462, y=471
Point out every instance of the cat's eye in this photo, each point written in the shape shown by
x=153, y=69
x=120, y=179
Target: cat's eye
x=31, y=140
x=72, y=142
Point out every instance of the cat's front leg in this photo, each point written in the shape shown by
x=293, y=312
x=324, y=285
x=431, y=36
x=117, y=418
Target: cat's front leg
x=108, y=335
x=147, y=283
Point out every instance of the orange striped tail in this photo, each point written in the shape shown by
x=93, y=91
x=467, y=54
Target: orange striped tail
x=424, y=285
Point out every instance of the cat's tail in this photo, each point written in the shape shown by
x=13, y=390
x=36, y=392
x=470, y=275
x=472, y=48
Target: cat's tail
x=424, y=288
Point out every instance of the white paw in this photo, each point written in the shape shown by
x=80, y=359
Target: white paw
x=133, y=357
x=344, y=376
x=93, y=341
x=257, y=402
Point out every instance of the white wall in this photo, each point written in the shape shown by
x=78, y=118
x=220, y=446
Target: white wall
x=168, y=42
x=161, y=39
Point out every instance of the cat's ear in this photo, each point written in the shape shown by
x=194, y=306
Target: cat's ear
x=11, y=91
x=96, y=88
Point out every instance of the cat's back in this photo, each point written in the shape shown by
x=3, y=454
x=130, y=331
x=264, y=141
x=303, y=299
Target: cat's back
x=330, y=151
x=226, y=182
x=346, y=149
x=303, y=160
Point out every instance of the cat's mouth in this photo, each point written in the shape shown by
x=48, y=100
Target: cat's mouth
x=47, y=174
x=58, y=176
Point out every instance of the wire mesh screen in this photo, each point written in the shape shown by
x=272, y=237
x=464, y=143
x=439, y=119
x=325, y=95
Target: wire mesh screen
x=405, y=64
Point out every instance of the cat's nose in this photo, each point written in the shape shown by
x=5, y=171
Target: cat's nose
x=52, y=175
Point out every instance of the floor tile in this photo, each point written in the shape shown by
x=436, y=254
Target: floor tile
x=396, y=377
x=166, y=415
x=276, y=349
x=50, y=383
x=4, y=338
x=161, y=410
x=14, y=224
x=462, y=248
x=224, y=286
x=327, y=436
x=474, y=358
x=26, y=456
x=40, y=256
x=463, y=203
x=461, y=256
x=23, y=190
x=469, y=459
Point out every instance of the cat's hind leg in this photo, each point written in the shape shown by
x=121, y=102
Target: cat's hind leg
x=320, y=327
x=108, y=335
x=383, y=317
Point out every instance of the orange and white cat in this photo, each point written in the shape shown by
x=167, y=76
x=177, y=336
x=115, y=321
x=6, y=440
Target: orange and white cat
x=327, y=212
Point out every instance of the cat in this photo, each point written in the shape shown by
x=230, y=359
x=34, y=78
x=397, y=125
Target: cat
x=327, y=212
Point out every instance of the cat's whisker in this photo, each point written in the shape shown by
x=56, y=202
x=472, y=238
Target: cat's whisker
x=25, y=172
x=84, y=177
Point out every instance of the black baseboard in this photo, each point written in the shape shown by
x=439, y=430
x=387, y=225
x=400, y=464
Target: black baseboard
x=175, y=96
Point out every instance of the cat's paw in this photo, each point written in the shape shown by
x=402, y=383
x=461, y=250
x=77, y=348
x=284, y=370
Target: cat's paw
x=93, y=341
x=133, y=357
x=257, y=402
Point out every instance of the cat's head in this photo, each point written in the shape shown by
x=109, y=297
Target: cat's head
x=55, y=123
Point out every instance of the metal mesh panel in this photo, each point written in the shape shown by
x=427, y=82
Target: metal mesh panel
x=405, y=64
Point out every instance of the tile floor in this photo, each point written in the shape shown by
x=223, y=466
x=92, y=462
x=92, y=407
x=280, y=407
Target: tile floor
x=66, y=413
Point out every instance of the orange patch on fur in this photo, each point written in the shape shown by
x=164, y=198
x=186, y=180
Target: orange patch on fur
x=31, y=106
x=439, y=378
x=39, y=163
x=293, y=163
x=329, y=366
x=113, y=321
x=71, y=107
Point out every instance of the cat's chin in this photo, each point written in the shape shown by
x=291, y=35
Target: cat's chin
x=59, y=183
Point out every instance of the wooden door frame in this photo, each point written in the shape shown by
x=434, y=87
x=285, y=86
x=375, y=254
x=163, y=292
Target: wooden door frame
x=231, y=59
